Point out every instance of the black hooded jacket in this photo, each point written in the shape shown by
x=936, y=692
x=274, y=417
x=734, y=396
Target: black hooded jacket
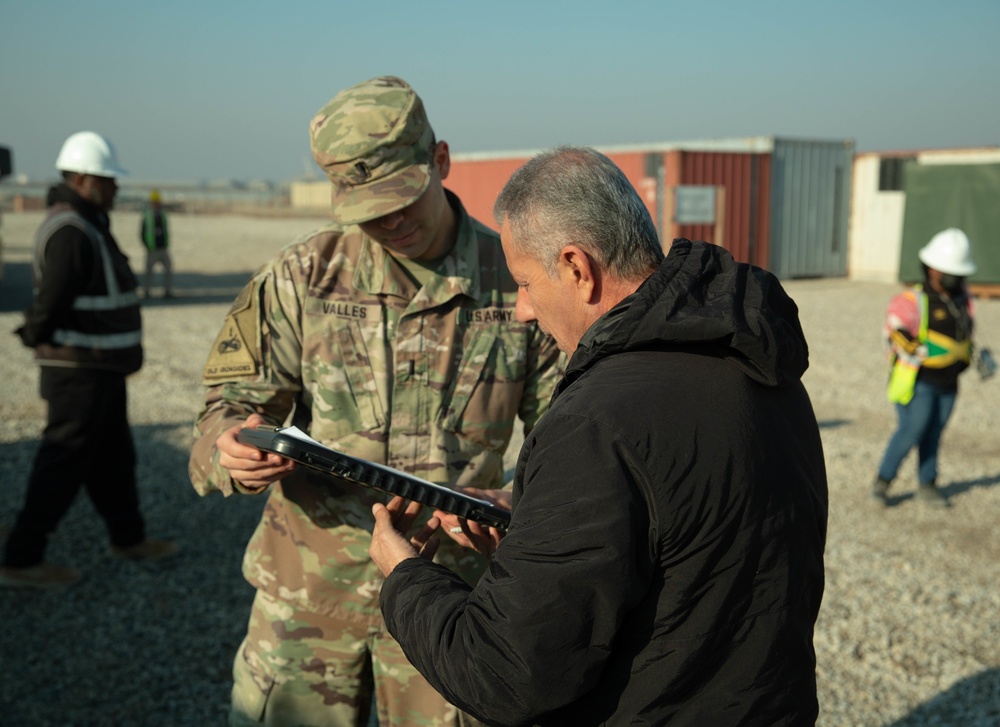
x=664, y=563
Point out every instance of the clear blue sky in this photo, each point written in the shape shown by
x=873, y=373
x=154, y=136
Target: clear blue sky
x=219, y=89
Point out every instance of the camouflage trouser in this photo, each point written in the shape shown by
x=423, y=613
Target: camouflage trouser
x=301, y=669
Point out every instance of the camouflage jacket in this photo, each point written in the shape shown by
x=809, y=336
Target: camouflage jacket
x=334, y=337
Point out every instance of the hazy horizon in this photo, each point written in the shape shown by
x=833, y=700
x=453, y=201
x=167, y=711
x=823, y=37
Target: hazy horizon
x=213, y=91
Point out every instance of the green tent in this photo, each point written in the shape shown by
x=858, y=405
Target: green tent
x=966, y=196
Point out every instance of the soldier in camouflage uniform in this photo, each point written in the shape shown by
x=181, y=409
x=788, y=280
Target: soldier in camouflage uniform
x=389, y=336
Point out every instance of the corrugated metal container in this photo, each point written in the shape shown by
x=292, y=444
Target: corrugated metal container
x=478, y=178
x=778, y=203
x=810, y=198
x=742, y=218
x=742, y=180
x=728, y=179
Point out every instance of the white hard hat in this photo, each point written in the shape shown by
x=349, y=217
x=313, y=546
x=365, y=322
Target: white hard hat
x=88, y=153
x=950, y=252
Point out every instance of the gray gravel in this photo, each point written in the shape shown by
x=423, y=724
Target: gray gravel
x=909, y=632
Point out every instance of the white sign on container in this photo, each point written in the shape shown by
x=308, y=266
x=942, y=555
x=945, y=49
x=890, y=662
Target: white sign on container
x=694, y=205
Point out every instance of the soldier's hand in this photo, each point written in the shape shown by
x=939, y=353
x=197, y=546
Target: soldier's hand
x=249, y=466
x=470, y=534
x=390, y=545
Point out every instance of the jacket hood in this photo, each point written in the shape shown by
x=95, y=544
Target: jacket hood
x=701, y=300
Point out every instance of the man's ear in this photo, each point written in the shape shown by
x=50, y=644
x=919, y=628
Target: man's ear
x=579, y=269
x=442, y=158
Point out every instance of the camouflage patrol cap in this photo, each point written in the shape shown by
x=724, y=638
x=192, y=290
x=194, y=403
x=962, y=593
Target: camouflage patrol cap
x=375, y=144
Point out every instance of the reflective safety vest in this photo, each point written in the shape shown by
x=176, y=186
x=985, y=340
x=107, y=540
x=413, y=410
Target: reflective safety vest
x=941, y=351
x=102, y=322
x=149, y=236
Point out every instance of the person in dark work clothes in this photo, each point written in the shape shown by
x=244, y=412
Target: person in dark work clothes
x=85, y=327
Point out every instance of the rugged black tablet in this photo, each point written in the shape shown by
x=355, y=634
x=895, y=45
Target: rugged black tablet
x=291, y=443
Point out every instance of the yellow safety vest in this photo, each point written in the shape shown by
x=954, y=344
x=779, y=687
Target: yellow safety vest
x=942, y=351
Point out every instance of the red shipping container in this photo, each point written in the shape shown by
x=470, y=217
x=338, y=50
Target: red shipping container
x=741, y=180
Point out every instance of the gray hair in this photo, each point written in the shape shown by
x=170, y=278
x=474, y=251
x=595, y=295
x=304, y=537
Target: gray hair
x=576, y=195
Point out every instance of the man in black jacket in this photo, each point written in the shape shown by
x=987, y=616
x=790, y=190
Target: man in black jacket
x=85, y=328
x=664, y=562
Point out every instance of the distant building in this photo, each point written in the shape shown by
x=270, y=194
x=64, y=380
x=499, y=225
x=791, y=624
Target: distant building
x=900, y=199
x=310, y=196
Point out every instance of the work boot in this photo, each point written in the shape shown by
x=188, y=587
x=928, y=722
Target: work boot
x=43, y=575
x=148, y=549
x=880, y=490
x=930, y=494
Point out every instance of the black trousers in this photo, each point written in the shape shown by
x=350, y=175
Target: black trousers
x=87, y=443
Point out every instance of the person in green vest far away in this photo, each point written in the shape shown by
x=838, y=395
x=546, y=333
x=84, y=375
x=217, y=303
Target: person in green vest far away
x=156, y=237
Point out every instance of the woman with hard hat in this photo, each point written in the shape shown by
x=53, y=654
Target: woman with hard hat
x=929, y=333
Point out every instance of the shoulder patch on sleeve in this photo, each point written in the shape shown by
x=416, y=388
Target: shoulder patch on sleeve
x=234, y=353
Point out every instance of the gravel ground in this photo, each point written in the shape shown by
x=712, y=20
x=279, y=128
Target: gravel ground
x=909, y=632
